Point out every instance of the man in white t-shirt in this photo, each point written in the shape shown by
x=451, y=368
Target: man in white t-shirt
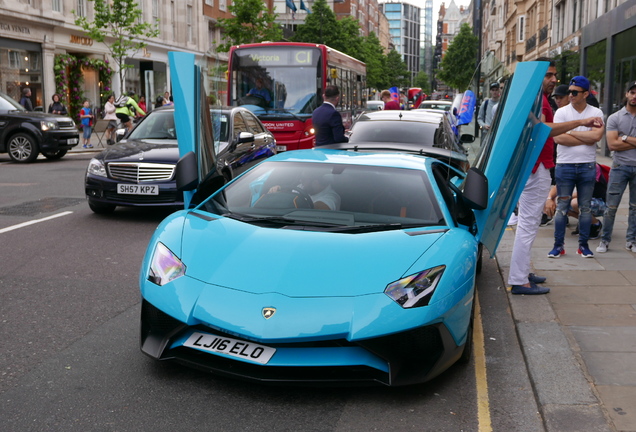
x=575, y=166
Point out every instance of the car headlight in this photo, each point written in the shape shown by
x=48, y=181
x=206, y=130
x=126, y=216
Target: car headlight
x=415, y=290
x=165, y=266
x=96, y=167
x=46, y=125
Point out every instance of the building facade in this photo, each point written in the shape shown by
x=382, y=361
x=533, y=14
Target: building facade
x=404, y=29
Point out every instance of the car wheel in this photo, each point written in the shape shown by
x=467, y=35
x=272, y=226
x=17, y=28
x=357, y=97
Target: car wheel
x=22, y=148
x=53, y=155
x=101, y=208
x=480, y=260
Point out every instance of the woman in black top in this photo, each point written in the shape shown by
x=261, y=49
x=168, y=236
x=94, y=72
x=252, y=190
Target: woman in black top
x=57, y=107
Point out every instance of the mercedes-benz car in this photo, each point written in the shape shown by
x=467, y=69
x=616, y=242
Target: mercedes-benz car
x=25, y=134
x=332, y=266
x=139, y=170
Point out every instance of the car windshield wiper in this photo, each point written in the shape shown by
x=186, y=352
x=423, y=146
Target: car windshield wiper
x=355, y=229
x=282, y=220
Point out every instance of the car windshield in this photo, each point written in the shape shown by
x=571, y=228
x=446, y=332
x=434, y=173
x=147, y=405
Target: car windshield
x=7, y=103
x=334, y=197
x=159, y=124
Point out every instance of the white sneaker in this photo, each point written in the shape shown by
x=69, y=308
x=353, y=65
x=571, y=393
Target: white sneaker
x=630, y=246
x=513, y=220
x=602, y=247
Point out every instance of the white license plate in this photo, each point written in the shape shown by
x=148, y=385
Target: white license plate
x=133, y=189
x=281, y=148
x=72, y=141
x=248, y=351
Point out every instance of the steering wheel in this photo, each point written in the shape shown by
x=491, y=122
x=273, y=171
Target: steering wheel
x=302, y=199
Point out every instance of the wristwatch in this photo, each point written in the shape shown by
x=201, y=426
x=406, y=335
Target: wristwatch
x=624, y=138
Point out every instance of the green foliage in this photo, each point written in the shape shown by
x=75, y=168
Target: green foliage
x=121, y=21
x=395, y=71
x=459, y=63
x=321, y=27
x=252, y=23
x=69, y=79
x=568, y=65
x=423, y=81
x=373, y=56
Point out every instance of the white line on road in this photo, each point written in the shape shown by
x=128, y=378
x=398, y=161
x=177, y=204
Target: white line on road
x=24, y=224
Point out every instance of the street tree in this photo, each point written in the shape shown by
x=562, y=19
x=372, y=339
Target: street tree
x=458, y=65
x=320, y=27
x=423, y=81
x=395, y=71
x=119, y=21
x=252, y=23
x=373, y=56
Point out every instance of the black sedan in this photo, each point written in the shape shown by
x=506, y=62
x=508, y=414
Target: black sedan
x=419, y=132
x=139, y=171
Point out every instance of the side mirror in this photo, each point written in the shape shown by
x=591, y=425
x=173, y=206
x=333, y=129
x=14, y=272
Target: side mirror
x=186, y=172
x=476, y=189
x=467, y=138
x=244, y=137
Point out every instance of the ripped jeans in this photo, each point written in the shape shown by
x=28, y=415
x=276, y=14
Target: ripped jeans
x=569, y=176
x=620, y=176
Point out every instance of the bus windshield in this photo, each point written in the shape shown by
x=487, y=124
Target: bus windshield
x=279, y=79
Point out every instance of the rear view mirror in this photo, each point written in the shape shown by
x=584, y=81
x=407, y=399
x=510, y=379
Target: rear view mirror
x=186, y=172
x=476, y=189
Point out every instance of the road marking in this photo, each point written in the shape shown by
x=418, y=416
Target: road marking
x=24, y=224
x=481, y=380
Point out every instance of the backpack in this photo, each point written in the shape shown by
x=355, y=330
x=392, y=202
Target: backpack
x=121, y=101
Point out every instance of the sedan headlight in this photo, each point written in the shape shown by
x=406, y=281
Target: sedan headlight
x=415, y=290
x=46, y=125
x=165, y=266
x=96, y=167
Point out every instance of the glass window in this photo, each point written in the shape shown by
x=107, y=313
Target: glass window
x=189, y=22
x=57, y=6
x=80, y=9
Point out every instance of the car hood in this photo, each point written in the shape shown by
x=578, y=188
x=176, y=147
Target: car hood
x=153, y=151
x=337, y=265
x=36, y=115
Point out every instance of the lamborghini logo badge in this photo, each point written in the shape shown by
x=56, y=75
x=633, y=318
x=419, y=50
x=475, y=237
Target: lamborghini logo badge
x=268, y=312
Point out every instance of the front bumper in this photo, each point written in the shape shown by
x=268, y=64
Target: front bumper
x=409, y=357
x=59, y=140
x=104, y=191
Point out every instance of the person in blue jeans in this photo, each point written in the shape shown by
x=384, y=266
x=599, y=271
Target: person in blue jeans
x=575, y=166
x=621, y=139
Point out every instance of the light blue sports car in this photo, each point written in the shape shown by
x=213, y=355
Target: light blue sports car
x=330, y=266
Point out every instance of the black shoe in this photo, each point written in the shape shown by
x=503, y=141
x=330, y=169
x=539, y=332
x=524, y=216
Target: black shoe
x=545, y=220
x=531, y=290
x=534, y=279
x=596, y=230
x=576, y=230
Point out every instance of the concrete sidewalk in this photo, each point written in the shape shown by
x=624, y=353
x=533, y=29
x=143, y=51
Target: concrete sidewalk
x=580, y=339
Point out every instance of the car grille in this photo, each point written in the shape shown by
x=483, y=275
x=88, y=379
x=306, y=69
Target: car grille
x=140, y=172
x=66, y=124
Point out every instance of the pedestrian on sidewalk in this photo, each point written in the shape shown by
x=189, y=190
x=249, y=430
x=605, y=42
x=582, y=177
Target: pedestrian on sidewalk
x=389, y=103
x=86, y=115
x=535, y=192
x=488, y=108
x=575, y=166
x=621, y=139
x=57, y=107
x=109, y=110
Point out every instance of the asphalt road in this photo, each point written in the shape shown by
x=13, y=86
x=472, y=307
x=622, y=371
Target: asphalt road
x=69, y=350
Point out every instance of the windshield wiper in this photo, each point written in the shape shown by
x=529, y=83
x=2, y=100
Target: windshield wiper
x=283, y=220
x=357, y=229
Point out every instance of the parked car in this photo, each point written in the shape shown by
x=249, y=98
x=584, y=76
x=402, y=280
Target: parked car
x=257, y=282
x=441, y=105
x=139, y=170
x=375, y=105
x=417, y=131
x=25, y=134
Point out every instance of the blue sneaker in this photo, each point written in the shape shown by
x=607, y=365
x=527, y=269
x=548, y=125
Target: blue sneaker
x=557, y=252
x=533, y=278
x=585, y=251
x=531, y=290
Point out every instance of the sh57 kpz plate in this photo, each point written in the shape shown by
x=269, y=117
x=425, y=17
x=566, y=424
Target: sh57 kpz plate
x=247, y=351
x=133, y=189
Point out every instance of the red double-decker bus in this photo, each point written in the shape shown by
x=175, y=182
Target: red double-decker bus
x=283, y=82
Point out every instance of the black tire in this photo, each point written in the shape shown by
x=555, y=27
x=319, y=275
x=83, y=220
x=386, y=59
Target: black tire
x=101, y=208
x=54, y=155
x=23, y=148
x=467, y=354
x=480, y=260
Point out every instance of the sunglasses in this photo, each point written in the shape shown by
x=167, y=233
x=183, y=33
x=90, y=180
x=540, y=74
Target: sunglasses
x=574, y=92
